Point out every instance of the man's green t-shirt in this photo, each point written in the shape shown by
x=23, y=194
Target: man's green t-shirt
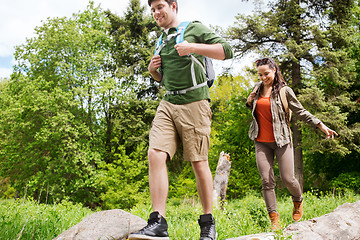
x=176, y=70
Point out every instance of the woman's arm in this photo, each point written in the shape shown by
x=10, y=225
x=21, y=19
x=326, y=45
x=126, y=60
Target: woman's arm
x=306, y=116
x=297, y=108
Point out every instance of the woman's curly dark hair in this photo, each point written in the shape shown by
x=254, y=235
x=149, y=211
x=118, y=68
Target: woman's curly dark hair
x=279, y=81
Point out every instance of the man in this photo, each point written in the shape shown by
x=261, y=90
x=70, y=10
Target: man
x=183, y=116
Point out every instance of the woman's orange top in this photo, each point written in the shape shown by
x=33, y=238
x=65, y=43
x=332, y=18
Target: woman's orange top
x=264, y=119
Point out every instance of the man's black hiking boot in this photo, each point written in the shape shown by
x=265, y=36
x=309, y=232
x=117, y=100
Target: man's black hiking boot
x=156, y=229
x=207, y=227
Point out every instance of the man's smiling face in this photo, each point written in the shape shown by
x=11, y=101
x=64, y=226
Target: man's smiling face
x=163, y=13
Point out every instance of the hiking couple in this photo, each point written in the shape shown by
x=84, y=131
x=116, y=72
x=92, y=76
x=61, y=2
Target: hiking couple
x=184, y=115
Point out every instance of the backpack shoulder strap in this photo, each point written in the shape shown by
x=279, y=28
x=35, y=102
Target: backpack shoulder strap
x=285, y=102
x=283, y=99
x=286, y=107
x=257, y=86
x=181, y=31
x=158, y=44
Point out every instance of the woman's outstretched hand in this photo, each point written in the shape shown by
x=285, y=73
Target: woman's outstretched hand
x=329, y=132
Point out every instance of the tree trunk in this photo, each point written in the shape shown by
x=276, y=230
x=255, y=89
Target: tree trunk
x=221, y=179
x=298, y=160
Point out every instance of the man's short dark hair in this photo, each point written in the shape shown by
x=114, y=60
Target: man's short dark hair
x=168, y=1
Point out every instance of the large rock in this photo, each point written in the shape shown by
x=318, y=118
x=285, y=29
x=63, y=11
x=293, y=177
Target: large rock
x=341, y=224
x=112, y=224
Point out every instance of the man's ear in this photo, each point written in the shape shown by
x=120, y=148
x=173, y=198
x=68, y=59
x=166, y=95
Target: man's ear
x=173, y=5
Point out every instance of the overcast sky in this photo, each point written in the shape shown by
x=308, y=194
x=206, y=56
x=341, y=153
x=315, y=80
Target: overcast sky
x=18, y=18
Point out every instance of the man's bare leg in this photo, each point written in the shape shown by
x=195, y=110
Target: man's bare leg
x=158, y=179
x=204, y=184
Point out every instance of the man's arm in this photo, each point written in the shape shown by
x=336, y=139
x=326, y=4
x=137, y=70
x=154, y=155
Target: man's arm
x=154, y=64
x=215, y=51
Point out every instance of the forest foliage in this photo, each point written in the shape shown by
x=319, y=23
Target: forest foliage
x=76, y=112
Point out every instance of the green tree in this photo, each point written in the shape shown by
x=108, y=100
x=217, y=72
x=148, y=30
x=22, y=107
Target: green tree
x=52, y=106
x=337, y=167
x=127, y=120
x=354, y=117
x=131, y=50
x=133, y=43
x=77, y=110
x=46, y=149
x=71, y=53
x=309, y=39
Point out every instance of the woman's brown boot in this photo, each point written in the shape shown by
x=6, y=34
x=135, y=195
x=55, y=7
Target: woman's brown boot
x=297, y=211
x=275, y=220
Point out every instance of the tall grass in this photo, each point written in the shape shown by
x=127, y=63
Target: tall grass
x=243, y=216
x=29, y=220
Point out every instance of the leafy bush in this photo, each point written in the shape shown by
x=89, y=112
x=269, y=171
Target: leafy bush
x=349, y=180
x=6, y=190
x=124, y=182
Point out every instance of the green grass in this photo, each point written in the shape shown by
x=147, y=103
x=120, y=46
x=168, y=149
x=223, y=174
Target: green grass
x=240, y=217
x=29, y=220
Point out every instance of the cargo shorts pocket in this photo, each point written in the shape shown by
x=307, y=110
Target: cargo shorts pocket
x=203, y=140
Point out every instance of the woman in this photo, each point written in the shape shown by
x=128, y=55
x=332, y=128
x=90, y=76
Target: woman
x=271, y=133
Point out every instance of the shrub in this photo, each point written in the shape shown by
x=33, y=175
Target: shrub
x=349, y=180
x=6, y=190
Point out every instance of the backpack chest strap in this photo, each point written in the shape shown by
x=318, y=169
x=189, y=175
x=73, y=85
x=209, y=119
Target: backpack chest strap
x=184, y=91
x=161, y=44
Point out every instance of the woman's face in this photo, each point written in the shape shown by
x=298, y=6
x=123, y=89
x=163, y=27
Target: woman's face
x=266, y=74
